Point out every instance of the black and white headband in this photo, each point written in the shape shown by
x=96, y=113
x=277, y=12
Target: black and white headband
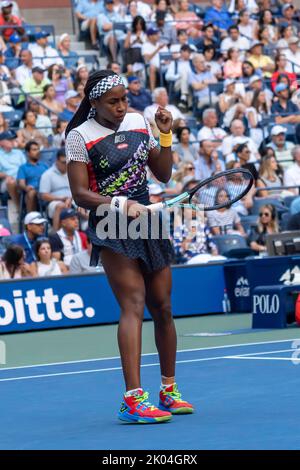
x=102, y=87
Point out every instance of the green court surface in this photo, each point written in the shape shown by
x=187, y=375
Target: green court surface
x=76, y=344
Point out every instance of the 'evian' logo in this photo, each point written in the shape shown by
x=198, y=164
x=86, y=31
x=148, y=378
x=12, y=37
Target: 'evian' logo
x=242, y=288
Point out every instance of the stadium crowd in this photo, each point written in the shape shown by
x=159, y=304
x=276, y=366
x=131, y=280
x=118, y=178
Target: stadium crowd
x=229, y=74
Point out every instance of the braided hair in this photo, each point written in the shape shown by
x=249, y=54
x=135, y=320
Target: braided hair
x=82, y=112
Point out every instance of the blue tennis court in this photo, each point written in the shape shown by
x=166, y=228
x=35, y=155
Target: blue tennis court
x=246, y=397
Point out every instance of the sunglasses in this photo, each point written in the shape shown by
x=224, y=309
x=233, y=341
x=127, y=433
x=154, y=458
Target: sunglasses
x=190, y=168
x=266, y=214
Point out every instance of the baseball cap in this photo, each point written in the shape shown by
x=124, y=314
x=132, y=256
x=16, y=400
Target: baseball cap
x=70, y=94
x=67, y=213
x=8, y=135
x=228, y=81
x=41, y=34
x=280, y=87
x=151, y=31
x=39, y=69
x=108, y=1
x=133, y=78
x=276, y=130
x=14, y=38
x=6, y=4
x=287, y=6
x=293, y=40
x=254, y=78
x=34, y=218
x=254, y=44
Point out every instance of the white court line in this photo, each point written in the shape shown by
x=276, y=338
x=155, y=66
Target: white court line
x=256, y=358
x=146, y=354
x=30, y=377
x=266, y=352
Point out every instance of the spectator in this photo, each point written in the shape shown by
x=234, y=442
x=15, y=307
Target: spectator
x=61, y=125
x=43, y=122
x=269, y=178
x=207, y=39
x=233, y=65
x=281, y=146
x=210, y=130
x=225, y=220
x=260, y=60
x=3, y=124
x=35, y=85
x=133, y=59
x=80, y=263
x=138, y=98
x=24, y=71
x=29, y=175
x=60, y=78
x=55, y=189
x=150, y=51
x=116, y=68
x=68, y=240
x=231, y=101
x=188, y=20
x=165, y=28
x=81, y=76
x=237, y=136
x=184, y=151
x=267, y=20
x=287, y=19
x=11, y=159
x=30, y=132
x=46, y=264
x=69, y=57
x=43, y=54
x=294, y=221
x=212, y=64
x=248, y=71
x=5, y=98
x=235, y=41
x=161, y=98
x=292, y=174
x=281, y=69
x=178, y=73
x=246, y=25
x=105, y=20
x=12, y=53
x=12, y=265
x=207, y=162
x=185, y=172
x=200, y=80
x=286, y=33
x=218, y=16
x=266, y=224
x=34, y=228
x=87, y=13
x=165, y=6
x=258, y=111
x=10, y=22
x=72, y=101
x=256, y=83
x=241, y=155
x=49, y=99
x=292, y=55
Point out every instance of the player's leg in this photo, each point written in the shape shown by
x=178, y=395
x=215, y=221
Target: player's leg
x=158, y=299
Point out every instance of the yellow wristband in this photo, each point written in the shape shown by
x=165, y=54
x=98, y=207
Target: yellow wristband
x=165, y=140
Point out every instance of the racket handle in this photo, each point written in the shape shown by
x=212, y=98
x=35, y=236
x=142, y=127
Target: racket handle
x=158, y=206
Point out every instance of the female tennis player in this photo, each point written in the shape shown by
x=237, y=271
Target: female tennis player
x=107, y=151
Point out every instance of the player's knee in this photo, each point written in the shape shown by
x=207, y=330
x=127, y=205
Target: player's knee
x=162, y=312
x=134, y=306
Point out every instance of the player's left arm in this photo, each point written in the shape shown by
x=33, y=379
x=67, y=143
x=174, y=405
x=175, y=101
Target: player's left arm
x=160, y=158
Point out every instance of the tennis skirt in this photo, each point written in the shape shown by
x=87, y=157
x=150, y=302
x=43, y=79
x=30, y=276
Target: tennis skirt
x=154, y=253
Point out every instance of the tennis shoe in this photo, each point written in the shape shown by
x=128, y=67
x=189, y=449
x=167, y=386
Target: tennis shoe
x=137, y=409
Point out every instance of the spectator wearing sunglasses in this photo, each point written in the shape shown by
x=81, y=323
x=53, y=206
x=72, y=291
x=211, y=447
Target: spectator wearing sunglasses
x=266, y=224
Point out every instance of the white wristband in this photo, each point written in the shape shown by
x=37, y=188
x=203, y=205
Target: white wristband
x=118, y=204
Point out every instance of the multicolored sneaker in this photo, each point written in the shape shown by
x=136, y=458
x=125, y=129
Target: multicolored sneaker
x=137, y=409
x=170, y=400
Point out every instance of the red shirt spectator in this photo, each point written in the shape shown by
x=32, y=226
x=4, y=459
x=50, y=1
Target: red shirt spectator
x=7, y=19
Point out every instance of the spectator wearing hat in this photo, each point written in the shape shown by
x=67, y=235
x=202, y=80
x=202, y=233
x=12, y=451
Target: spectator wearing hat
x=10, y=22
x=72, y=100
x=138, y=98
x=30, y=131
x=34, y=228
x=87, y=12
x=236, y=41
x=150, y=51
x=260, y=60
x=55, y=189
x=292, y=55
x=161, y=98
x=68, y=240
x=69, y=57
x=35, y=85
x=208, y=161
x=256, y=83
x=105, y=25
x=287, y=111
x=12, y=53
x=200, y=79
x=24, y=71
x=178, y=73
x=11, y=159
x=219, y=16
x=282, y=147
x=29, y=175
x=287, y=18
x=43, y=54
x=210, y=130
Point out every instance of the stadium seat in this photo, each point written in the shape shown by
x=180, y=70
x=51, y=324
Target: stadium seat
x=261, y=201
x=230, y=243
x=48, y=156
x=248, y=221
x=13, y=117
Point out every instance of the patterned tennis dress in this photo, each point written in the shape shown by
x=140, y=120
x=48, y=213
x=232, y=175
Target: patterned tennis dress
x=116, y=162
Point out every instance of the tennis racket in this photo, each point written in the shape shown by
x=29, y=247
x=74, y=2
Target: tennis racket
x=221, y=190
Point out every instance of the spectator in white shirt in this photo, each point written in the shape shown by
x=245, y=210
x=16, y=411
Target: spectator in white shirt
x=293, y=55
x=237, y=130
x=161, y=98
x=210, y=130
x=178, y=72
x=236, y=41
x=291, y=175
x=43, y=54
x=150, y=51
x=24, y=71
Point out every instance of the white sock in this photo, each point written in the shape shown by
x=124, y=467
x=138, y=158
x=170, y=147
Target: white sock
x=130, y=393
